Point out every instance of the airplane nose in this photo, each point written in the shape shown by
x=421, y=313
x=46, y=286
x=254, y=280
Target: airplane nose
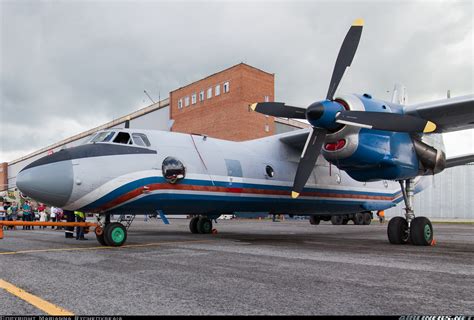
x=50, y=183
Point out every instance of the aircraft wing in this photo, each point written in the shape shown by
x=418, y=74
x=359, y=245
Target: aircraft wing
x=459, y=160
x=448, y=114
x=296, y=139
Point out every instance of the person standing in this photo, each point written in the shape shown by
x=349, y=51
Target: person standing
x=3, y=213
x=53, y=214
x=80, y=217
x=27, y=213
x=42, y=214
x=12, y=216
x=69, y=231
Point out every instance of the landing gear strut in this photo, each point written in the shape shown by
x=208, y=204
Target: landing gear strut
x=418, y=231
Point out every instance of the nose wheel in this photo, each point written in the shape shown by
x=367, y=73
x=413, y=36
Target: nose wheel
x=415, y=230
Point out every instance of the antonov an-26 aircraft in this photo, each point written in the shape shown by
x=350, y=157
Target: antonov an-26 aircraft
x=383, y=152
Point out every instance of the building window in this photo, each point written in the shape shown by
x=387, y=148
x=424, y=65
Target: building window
x=186, y=101
x=218, y=90
x=180, y=103
x=209, y=93
x=267, y=128
x=193, y=98
x=226, y=87
x=201, y=95
x=267, y=98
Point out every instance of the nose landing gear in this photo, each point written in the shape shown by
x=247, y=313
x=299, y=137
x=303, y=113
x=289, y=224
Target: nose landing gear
x=418, y=231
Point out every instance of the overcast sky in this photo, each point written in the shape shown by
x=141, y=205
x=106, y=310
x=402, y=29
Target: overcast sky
x=68, y=66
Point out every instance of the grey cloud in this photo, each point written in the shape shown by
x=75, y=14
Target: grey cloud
x=89, y=61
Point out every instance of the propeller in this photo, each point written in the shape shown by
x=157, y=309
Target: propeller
x=329, y=115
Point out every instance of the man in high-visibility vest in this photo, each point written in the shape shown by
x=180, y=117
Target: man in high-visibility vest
x=80, y=217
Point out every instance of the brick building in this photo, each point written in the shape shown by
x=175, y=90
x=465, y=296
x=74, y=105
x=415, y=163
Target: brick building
x=218, y=105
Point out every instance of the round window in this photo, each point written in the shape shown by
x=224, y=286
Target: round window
x=173, y=169
x=269, y=171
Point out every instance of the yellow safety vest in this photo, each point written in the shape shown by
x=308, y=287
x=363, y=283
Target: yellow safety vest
x=80, y=214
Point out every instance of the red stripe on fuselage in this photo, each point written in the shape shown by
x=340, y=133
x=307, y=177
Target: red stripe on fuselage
x=166, y=186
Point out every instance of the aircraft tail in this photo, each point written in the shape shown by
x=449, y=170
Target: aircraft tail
x=400, y=95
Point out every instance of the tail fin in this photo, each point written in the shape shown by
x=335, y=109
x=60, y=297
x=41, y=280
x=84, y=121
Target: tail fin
x=400, y=95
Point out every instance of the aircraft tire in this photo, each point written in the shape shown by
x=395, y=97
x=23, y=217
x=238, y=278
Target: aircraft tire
x=193, y=225
x=204, y=225
x=115, y=234
x=314, y=220
x=358, y=218
x=345, y=220
x=421, y=231
x=397, y=230
x=101, y=239
x=367, y=218
x=337, y=220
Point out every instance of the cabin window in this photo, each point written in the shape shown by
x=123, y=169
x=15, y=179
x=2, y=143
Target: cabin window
x=201, y=95
x=123, y=137
x=269, y=171
x=234, y=169
x=193, y=98
x=140, y=139
x=173, y=169
x=218, y=90
x=226, y=87
x=103, y=136
x=209, y=93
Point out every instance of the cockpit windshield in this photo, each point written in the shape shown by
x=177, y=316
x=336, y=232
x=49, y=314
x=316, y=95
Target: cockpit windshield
x=138, y=139
x=103, y=136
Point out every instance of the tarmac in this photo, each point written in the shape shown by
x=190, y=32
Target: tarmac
x=249, y=267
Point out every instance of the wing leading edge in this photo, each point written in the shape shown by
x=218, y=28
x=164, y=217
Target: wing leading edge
x=448, y=114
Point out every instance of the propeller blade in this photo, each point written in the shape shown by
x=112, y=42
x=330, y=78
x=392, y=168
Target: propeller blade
x=279, y=109
x=385, y=121
x=346, y=54
x=308, y=159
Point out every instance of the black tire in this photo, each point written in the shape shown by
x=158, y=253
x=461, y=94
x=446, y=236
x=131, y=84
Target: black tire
x=115, y=234
x=101, y=239
x=193, y=225
x=345, y=220
x=397, y=230
x=337, y=220
x=421, y=231
x=204, y=225
x=315, y=220
x=358, y=219
x=367, y=217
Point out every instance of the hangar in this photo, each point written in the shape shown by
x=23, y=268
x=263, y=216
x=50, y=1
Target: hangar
x=217, y=106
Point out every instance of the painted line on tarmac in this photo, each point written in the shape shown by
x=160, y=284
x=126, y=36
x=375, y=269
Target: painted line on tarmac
x=39, y=303
x=103, y=247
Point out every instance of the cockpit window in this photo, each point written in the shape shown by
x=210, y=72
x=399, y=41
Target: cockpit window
x=123, y=137
x=103, y=136
x=140, y=139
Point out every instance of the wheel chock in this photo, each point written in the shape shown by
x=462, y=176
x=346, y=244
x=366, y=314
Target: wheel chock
x=214, y=231
x=433, y=242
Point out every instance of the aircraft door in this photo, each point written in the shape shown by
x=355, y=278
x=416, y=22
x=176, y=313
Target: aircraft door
x=234, y=173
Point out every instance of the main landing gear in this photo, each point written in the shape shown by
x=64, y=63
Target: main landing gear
x=417, y=231
x=200, y=224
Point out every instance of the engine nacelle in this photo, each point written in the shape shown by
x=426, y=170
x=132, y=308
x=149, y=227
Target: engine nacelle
x=369, y=155
x=432, y=161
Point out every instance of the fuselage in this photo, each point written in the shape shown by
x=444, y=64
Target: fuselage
x=219, y=177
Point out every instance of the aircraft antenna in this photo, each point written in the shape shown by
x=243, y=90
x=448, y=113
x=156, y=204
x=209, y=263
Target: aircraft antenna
x=149, y=96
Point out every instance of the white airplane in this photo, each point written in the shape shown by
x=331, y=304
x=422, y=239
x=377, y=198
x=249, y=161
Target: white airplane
x=383, y=152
